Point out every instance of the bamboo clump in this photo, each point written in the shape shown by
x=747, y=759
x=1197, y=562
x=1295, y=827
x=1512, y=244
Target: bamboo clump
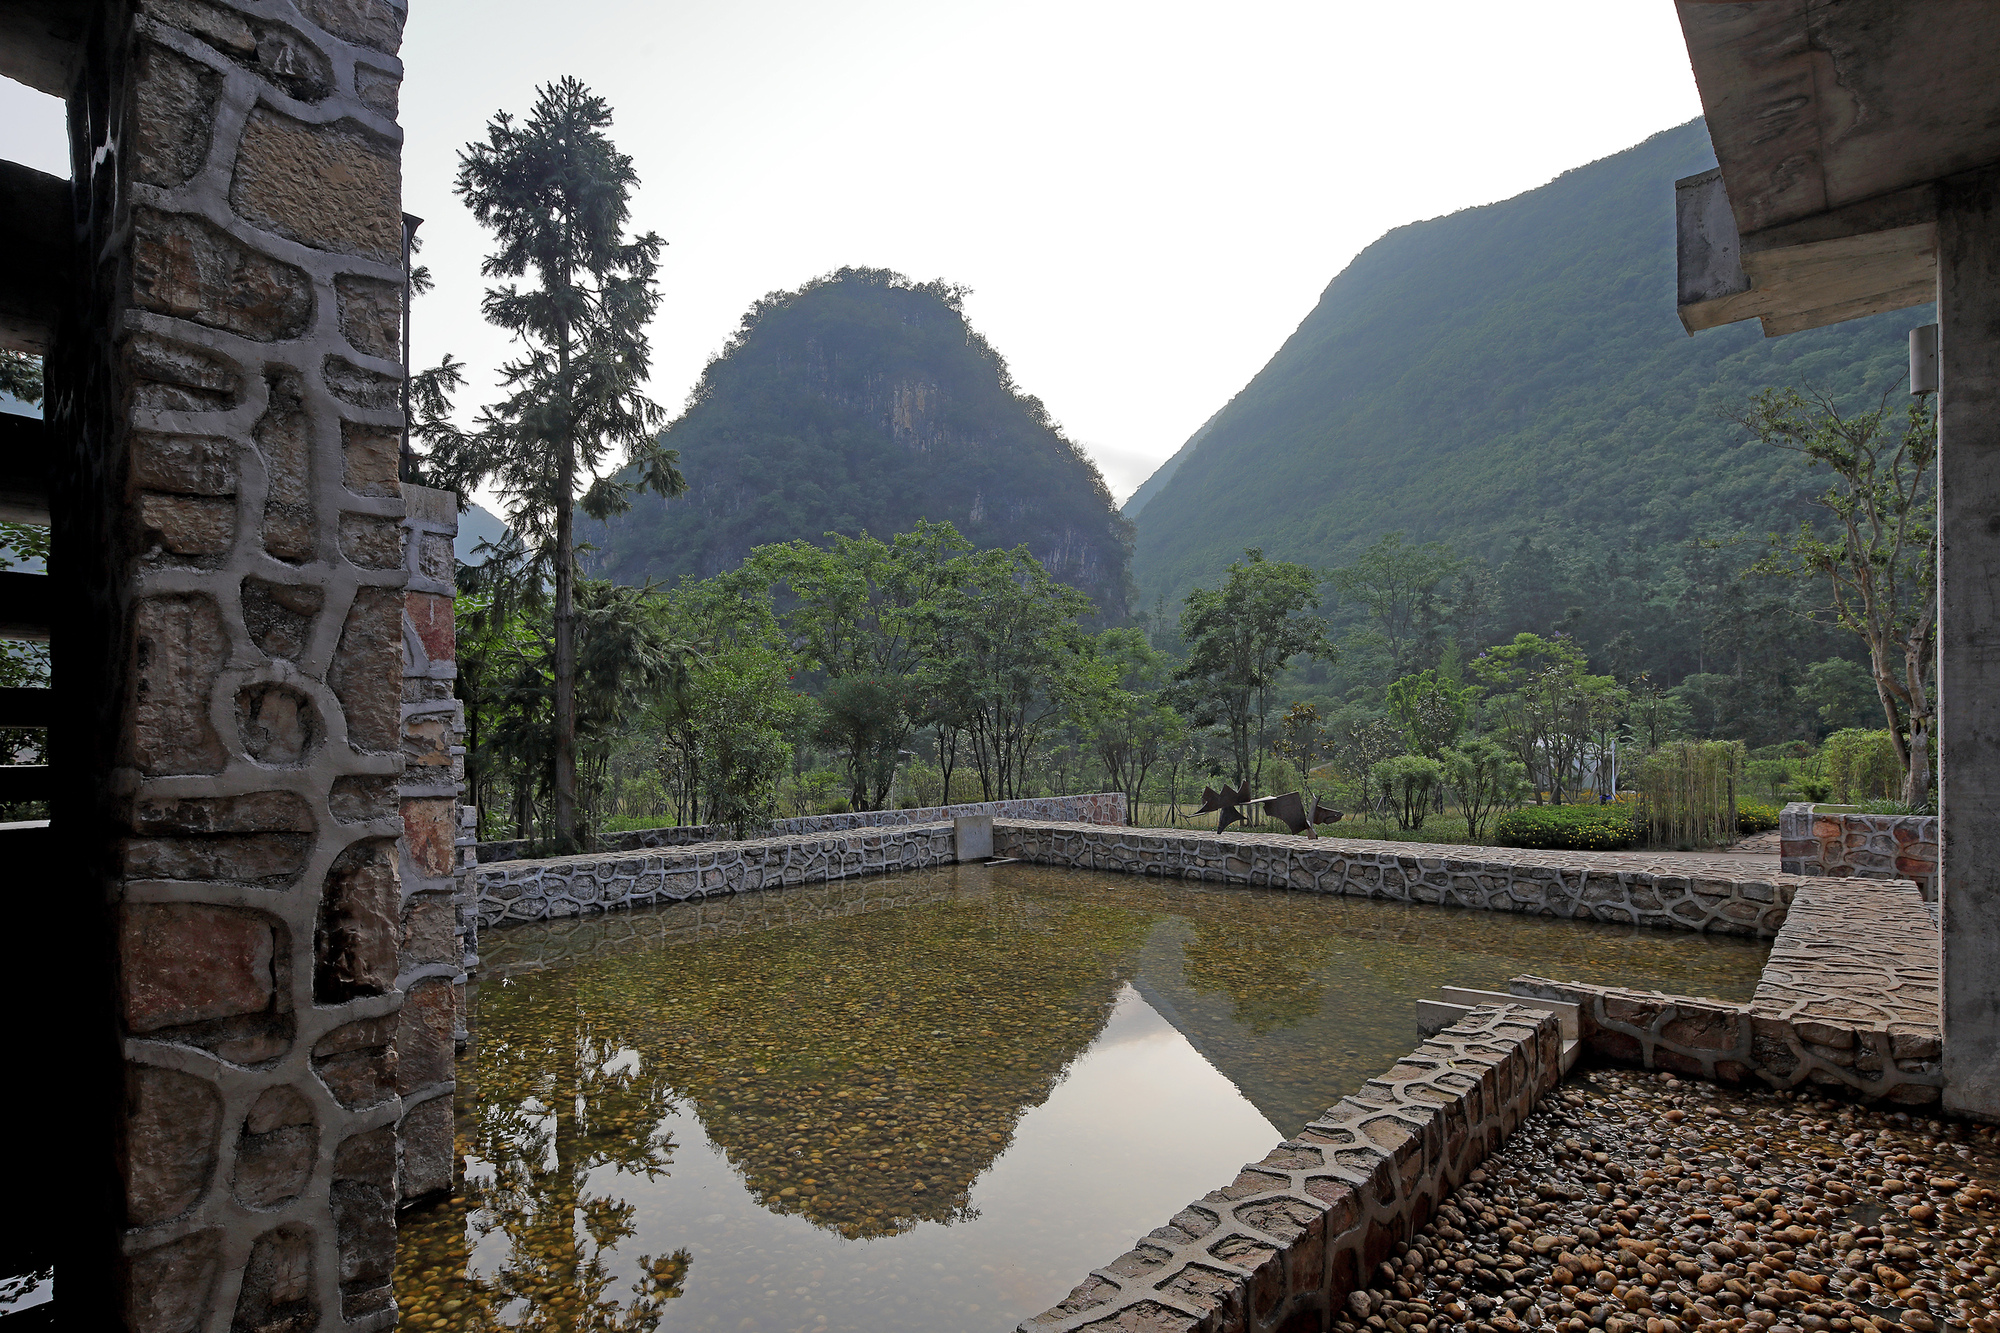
x=1690, y=790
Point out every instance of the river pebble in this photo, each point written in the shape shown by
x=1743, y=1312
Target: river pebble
x=1639, y=1203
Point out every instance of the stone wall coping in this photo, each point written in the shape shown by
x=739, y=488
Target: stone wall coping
x=1104, y=807
x=1283, y=1244
x=702, y=853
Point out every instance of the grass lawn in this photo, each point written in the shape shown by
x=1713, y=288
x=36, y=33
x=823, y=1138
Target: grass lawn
x=1448, y=827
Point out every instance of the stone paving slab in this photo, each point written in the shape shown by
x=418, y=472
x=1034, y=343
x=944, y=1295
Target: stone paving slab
x=1855, y=951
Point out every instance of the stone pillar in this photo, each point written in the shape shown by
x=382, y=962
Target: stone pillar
x=431, y=971
x=1969, y=638
x=230, y=545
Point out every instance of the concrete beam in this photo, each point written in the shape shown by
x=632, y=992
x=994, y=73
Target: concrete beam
x=39, y=41
x=1862, y=259
x=35, y=231
x=1968, y=296
x=1814, y=105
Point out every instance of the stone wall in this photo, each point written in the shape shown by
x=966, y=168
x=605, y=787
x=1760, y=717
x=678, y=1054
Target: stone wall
x=601, y=935
x=231, y=543
x=1635, y=888
x=1097, y=808
x=1848, y=1002
x=1814, y=841
x=434, y=944
x=509, y=892
x=1283, y=1245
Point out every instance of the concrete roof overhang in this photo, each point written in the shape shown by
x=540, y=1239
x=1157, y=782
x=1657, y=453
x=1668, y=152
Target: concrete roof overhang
x=1832, y=121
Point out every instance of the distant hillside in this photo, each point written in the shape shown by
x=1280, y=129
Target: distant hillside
x=1156, y=483
x=475, y=525
x=865, y=402
x=1508, y=371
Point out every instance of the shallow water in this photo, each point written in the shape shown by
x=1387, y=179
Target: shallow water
x=925, y=1101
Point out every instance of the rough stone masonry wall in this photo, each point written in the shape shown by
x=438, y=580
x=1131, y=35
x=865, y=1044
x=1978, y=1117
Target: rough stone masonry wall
x=1604, y=886
x=1096, y=808
x=510, y=892
x=233, y=393
x=1813, y=842
x=1283, y=1244
x=1848, y=1002
x=433, y=950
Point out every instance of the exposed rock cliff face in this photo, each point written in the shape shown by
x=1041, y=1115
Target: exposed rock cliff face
x=864, y=402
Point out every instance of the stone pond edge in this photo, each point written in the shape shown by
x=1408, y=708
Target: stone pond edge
x=1284, y=1243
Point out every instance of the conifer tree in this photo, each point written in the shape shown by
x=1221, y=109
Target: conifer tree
x=557, y=195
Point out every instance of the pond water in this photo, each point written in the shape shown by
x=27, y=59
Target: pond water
x=924, y=1101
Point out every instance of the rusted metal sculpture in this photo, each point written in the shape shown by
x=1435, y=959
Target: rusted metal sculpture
x=1289, y=809
x=1228, y=802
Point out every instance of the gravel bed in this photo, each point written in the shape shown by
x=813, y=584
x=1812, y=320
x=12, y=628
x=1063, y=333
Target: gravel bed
x=1638, y=1203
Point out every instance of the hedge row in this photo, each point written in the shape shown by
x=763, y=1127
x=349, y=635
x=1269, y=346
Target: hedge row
x=1577, y=828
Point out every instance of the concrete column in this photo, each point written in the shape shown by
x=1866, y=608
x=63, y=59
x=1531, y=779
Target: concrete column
x=1969, y=637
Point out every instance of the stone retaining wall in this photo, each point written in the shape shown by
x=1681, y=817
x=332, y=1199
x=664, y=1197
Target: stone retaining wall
x=509, y=892
x=1580, y=885
x=1589, y=885
x=1848, y=1000
x=1284, y=1244
x=1818, y=842
x=1095, y=808
x=619, y=934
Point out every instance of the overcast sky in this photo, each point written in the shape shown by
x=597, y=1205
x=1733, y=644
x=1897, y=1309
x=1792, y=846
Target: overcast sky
x=1145, y=198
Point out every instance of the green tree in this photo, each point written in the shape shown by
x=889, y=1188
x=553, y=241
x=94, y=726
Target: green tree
x=1880, y=564
x=557, y=195
x=726, y=716
x=1240, y=638
x=1008, y=647
x=1406, y=784
x=1432, y=710
x=1485, y=778
x=865, y=720
x=1554, y=713
x=860, y=610
x=1840, y=693
x=1411, y=593
x=1129, y=722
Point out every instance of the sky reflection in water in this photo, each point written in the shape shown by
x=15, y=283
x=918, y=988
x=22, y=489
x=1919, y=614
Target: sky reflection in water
x=926, y=1101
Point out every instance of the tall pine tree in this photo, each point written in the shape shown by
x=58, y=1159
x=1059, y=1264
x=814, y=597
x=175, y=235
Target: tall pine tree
x=557, y=195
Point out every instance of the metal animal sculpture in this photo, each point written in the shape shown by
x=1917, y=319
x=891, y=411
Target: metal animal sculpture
x=1290, y=810
x=1227, y=802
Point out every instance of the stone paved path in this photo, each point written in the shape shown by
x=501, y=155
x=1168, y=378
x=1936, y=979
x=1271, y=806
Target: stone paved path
x=1855, y=951
x=1757, y=862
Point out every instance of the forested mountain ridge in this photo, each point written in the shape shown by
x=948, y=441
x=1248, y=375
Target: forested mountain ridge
x=864, y=402
x=1508, y=372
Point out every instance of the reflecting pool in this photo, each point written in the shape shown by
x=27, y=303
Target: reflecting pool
x=925, y=1101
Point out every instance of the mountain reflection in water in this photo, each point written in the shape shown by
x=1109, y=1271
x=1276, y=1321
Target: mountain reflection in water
x=922, y=1101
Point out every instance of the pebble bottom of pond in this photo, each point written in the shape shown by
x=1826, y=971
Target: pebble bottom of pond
x=922, y=1101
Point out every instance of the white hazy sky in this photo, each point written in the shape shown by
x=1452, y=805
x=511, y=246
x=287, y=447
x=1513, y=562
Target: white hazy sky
x=1145, y=198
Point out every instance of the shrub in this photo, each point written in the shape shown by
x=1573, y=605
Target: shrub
x=1862, y=765
x=1583, y=828
x=1895, y=808
x=1753, y=817
x=1407, y=782
x=1815, y=789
